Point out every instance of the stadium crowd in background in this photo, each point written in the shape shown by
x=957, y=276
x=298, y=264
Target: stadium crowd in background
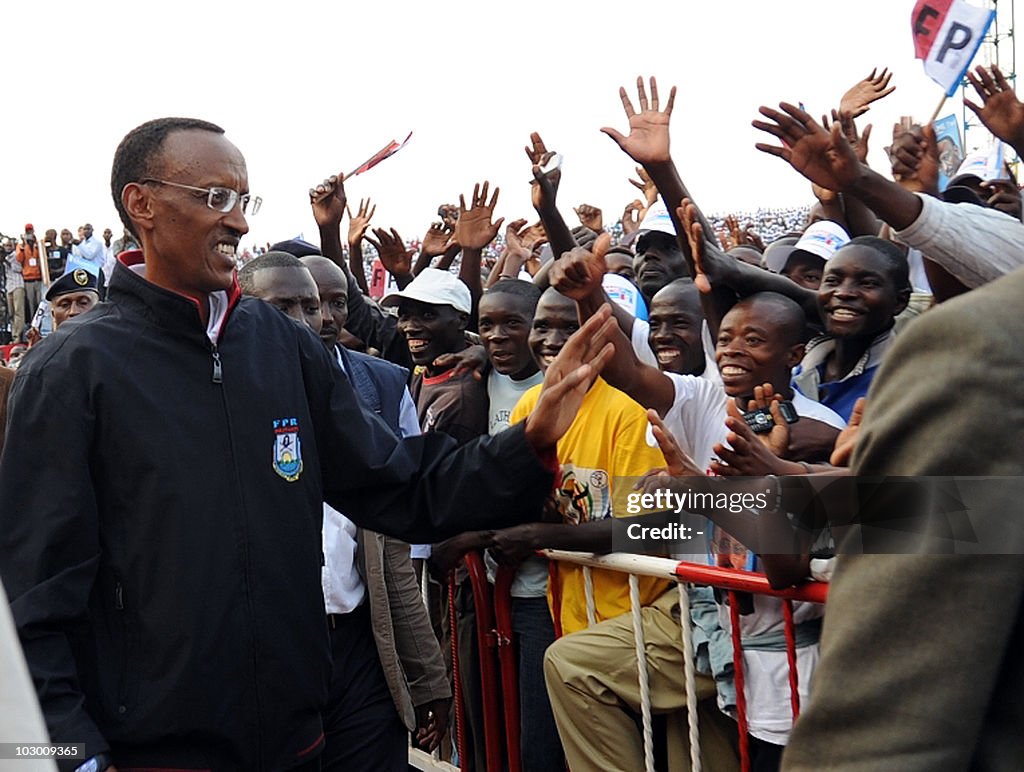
x=486, y=389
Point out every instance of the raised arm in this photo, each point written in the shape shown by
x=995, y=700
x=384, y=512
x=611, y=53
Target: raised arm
x=394, y=255
x=474, y=230
x=357, y=225
x=580, y=279
x=648, y=145
x=543, y=192
x=1000, y=110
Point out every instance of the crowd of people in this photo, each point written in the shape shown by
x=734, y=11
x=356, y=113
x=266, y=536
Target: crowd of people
x=182, y=603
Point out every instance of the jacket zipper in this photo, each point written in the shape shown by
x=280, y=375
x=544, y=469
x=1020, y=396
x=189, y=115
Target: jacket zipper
x=122, y=686
x=218, y=371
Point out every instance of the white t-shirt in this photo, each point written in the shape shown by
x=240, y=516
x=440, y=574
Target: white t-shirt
x=697, y=419
x=503, y=393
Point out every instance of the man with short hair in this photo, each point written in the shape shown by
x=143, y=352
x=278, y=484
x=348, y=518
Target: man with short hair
x=382, y=646
x=433, y=311
x=71, y=295
x=29, y=256
x=164, y=568
x=658, y=258
x=15, y=290
x=89, y=253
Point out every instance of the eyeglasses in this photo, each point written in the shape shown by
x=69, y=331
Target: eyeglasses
x=218, y=199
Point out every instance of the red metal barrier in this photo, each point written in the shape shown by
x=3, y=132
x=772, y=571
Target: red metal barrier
x=483, y=604
x=460, y=714
x=495, y=640
x=509, y=664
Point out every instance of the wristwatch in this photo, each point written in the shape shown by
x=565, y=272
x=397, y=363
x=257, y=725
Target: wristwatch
x=97, y=763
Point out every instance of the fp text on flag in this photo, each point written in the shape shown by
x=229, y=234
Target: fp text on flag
x=947, y=35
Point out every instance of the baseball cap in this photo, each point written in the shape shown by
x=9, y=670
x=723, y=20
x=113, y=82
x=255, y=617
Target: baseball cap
x=434, y=286
x=984, y=165
x=657, y=219
x=28, y=227
x=821, y=239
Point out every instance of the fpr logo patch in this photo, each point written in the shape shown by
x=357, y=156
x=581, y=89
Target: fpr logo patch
x=287, y=449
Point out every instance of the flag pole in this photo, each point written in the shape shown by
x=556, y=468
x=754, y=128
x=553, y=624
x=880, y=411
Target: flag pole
x=937, y=109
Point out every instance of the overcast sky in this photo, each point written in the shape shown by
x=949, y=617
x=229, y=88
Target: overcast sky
x=307, y=89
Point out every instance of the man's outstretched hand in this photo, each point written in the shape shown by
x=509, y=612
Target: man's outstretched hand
x=568, y=379
x=824, y=157
x=648, y=139
x=858, y=98
x=474, y=229
x=1000, y=110
x=579, y=273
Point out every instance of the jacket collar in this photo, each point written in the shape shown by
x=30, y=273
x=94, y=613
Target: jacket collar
x=165, y=308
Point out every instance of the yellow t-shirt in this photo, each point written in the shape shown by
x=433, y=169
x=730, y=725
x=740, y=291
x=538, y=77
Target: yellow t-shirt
x=608, y=440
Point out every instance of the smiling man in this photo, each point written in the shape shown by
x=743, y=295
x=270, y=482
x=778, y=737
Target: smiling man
x=164, y=568
x=864, y=288
x=433, y=311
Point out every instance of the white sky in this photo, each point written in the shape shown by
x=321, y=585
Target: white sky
x=306, y=89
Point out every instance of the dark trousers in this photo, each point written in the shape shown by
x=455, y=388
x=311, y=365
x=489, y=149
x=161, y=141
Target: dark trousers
x=538, y=741
x=764, y=756
x=362, y=728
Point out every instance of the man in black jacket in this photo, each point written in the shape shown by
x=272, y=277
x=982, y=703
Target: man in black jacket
x=164, y=565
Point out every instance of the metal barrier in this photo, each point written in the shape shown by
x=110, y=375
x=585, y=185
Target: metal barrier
x=496, y=651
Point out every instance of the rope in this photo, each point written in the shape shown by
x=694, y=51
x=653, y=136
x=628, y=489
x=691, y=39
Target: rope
x=737, y=664
x=794, y=692
x=689, y=677
x=588, y=591
x=641, y=669
x=460, y=718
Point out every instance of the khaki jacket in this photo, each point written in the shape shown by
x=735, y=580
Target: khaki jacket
x=408, y=649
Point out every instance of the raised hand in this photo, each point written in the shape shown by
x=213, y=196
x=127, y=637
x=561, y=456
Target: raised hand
x=532, y=236
x=847, y=439
x=1000, y=110
x=915, y=158
x=449, y=213
x=824, y=157
x=648, y=138
x=579, y=273
x=858, y=141
x=631, y=216
x=474, y=229
x=328, y=201
x=646, y=186
x=590, y=217
x=544, y=187
x=394, y=255
x=687, y=214
x=360, y=221
x=857, y=99
x=437, y=239
x=568, y=379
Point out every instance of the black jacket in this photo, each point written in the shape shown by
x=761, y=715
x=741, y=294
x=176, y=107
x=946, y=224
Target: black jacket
x=160, y=510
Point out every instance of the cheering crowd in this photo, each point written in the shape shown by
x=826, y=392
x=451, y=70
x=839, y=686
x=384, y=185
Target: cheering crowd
x=213, y=468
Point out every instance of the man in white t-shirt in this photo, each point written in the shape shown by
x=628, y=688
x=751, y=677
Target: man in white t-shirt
x=759, y=341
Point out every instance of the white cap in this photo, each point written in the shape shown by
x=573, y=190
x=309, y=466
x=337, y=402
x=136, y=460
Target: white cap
x=657, y=219
x=985, y=164
x=821, y=239
x=436, y=287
